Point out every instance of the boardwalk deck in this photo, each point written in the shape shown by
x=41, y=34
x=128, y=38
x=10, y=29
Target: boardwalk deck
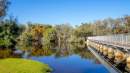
x=122, y=40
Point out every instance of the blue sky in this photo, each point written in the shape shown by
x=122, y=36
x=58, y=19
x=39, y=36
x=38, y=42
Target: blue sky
x=67, y=11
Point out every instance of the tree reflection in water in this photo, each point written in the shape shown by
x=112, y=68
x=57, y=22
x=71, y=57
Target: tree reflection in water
x=63, y=50
x=8, y=53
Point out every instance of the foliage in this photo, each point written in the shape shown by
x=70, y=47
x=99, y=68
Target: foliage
x=3, y=7
x=107, y=26
x=9, y=31
x=64, y=32
x=42, y=52
x=4, y=53
x=38, y=35
x=5, y=42
x=50, y=36
x=84, y=30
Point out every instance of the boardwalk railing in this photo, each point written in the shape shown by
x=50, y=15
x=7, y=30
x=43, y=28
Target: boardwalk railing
x=121, y=40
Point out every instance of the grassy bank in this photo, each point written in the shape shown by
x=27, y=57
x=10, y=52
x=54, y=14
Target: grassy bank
x=13, y=65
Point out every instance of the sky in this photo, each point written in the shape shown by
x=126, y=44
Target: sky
x=73, y=12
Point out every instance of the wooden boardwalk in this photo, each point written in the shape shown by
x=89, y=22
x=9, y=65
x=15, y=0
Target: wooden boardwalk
x=111, y=68
x=122, y=40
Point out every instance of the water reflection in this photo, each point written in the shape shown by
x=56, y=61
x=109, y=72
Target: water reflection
x=8, y=53
x=68, y=58
x=63, y=51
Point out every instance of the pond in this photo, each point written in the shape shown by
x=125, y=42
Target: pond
x=68, y=59
x=72, y=64
x=72, y=59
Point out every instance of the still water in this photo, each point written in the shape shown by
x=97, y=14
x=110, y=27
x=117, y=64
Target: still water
x=76, y=59
x=72, y=64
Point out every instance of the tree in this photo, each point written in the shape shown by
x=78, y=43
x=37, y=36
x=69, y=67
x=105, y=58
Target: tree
x=50, y=36
x=9, y=31
x=63, y=32
x=84, y=30
x=3, y=7
x=127, y=23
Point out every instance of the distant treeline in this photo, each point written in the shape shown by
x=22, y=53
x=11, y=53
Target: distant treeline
x=35, y=34
x=107, y=26
x=13, y=33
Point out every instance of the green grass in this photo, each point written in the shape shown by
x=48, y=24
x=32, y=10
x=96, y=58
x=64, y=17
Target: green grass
x=16, y=65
